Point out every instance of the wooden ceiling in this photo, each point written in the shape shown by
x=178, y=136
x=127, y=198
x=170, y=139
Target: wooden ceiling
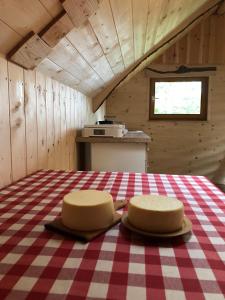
x=118, y=35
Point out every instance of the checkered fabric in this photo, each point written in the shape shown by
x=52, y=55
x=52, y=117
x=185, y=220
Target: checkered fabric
x=38, y=264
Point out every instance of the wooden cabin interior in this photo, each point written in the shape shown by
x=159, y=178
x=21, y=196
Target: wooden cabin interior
x=66, y=64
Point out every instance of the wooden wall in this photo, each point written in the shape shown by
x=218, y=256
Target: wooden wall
x=90, y=57
x=181, y=147
x=39, y=119
x=205, y=44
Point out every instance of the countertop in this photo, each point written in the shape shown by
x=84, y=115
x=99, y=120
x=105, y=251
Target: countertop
x=130, y=137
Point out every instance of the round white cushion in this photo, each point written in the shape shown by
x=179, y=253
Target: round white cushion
x=157, y=214
x=87, y=210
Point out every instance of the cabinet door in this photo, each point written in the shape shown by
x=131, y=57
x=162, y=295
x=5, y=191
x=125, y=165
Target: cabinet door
x=122, y=157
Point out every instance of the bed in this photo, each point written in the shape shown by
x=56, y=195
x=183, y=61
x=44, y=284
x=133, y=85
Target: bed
x=40, y=264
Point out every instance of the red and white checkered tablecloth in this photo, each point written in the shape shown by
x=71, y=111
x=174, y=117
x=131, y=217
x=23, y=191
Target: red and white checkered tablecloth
x=38, y=264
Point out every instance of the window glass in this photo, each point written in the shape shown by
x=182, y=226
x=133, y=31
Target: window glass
x=176, y=98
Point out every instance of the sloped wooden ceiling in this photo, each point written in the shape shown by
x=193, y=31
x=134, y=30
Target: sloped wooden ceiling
x=97, y=56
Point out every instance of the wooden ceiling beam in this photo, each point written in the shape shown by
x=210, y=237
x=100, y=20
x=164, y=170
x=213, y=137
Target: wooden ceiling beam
x=32, y=49
x=204, y=11
x=29, y=52
x=60, y=26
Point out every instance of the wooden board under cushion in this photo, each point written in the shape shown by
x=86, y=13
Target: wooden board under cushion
x=86, y=236
x=29, y=52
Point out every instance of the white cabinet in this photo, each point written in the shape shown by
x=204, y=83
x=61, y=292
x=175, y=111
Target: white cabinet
x=124, y=157
x=122, y=154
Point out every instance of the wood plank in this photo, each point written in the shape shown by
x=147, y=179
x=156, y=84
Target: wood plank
x=140, y=19
x=52, y=70
x=72, y=130
x=31, y=120
x=75, y=112
x=53, y=7
x=5, y=149
x=24, y=16
x=80, y=10
x=79, y=113
x=56, y=29
x=171, y=55
x=41, y=113
x=182, y=28
x=158, y=60
x=194, y=45
x=17, y=121
x=205, y=41
x=49, y=68
x=50, y=123
x=153, y=16
x=182, y=50
x=169, y=17
x=68, y=128
x=212, y=39
x=91, y=50
x=187, y=9
x=78, y=122
x=220, y=40
x=57, y=131
x=122, y=14
x=62, y=125
x=8, y=38
x=103, y=25
x=29, y=52
x=68, y=58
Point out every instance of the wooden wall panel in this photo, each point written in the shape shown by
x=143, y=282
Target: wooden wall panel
x=31, y=120
x=50, y=129
x=204, y=44
x=68, y=127
x=17, y=120
x=41, y=115
x=73, y=129
x=91, y=58
x=178, y=147
x=205, y=33
x=194, y=45
x=63, y=124
x=74, y=113
x=5, y=153
x=181, y=147
x=218, y=32
x=39, y=119
x=57, y=125
x=182, y=50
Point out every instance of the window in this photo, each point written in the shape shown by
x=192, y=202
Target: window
x=183, y=98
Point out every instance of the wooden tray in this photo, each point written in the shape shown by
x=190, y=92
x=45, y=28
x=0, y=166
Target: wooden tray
x=86, y=236
x=187, y=226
